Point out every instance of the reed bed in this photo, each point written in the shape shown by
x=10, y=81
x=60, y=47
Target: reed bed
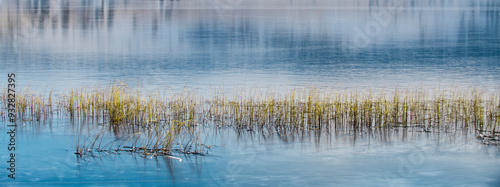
x=166, y=117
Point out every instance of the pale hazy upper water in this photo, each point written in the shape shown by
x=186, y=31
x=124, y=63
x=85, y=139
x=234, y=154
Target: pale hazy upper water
x=263, y=44
x=274, y=44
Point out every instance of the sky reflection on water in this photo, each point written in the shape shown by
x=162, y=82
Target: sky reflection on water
x=256, y=44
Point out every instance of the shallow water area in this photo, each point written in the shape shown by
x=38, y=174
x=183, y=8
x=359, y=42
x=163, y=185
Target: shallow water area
x=251, y=158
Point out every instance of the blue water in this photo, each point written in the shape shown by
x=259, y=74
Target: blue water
x=46, y=157
x=275, y=44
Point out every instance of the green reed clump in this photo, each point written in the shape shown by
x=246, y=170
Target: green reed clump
x=29, y=105
x=297, y=110
x=355, y=110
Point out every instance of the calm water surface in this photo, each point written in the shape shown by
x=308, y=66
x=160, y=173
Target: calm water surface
x=276, y=44
x=257, y=44
x=46, y=157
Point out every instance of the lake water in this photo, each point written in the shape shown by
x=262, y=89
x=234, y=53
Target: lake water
x=278, y=44
x=46, y=157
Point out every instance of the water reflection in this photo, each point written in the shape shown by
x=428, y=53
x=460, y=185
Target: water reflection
x=256, y=43
x=259, y=157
